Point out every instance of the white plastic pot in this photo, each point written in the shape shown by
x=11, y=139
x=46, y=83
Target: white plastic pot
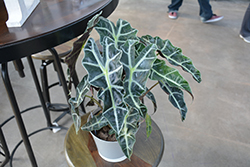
x=109, y=150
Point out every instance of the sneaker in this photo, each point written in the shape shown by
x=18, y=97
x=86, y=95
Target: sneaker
x=214, y=18
x=246, y=39
x=172, y=15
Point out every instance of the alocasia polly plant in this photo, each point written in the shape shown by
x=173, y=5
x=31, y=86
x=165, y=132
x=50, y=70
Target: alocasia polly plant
x=119, y=72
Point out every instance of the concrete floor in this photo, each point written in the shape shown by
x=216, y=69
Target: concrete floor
x=216, y=131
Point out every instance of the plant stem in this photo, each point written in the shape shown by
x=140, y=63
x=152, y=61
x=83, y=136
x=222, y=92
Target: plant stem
x=149, y=90
x=95, y=101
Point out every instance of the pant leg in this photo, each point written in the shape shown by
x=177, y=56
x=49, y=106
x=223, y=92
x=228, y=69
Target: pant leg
x=245, y=27
x=175, y=5
x=205, y=9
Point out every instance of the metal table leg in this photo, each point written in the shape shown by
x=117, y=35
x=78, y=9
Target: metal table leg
x=39, y=91
x=60, y=73
x=3, y=144
x=62, y=77
x=16, y=111
x=12, y=98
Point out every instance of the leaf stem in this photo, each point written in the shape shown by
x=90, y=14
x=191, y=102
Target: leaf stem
x=95, y=101
x=141, y=97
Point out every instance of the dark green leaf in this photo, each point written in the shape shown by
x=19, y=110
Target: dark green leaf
x=81, y=90
x=173, y=55
x=105, y=72
x=119, y=33
x=127, y=137
x=137, y=71
x=176, y=98
x=161, y=72
x=71, y=59
x=95, y=123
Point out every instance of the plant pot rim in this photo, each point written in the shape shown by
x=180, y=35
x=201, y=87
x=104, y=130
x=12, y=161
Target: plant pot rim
x=94, y=135
x=101, y=139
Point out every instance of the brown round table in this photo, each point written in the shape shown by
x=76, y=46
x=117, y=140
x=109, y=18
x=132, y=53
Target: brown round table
x=52, y=23
x=80, y=150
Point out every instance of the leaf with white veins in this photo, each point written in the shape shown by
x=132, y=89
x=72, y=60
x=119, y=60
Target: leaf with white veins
x=81, y=89
x=105, y=72
x=95, y=123
x=161, y=72
x=176, y=98
x=119, y=33
x=173, y=55
x=137, y=71
x=126, y=138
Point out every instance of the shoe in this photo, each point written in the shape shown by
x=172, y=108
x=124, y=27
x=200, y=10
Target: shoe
x=246, y=39
x=214, y=18
x=172, y=15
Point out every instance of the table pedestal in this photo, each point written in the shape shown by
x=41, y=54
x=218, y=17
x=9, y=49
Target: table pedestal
x=16, y=110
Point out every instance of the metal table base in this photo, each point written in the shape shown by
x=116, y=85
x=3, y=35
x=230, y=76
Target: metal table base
x=16, y=110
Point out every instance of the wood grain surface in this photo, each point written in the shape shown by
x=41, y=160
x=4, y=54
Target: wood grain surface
x=81, y=151
x=134, y=162
x=52, y=23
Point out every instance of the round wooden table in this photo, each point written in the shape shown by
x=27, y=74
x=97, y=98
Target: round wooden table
x=52, y=23
x=80, y=150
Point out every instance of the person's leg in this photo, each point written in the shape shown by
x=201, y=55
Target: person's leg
x=245, y=26
x=173, y=8
x=206, y=12
x=205, y=9
x=175, y=5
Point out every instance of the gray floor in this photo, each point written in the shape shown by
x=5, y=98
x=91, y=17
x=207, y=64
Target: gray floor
x=216, y=130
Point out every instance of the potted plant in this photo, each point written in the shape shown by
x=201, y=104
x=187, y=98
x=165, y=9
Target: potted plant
x=119, y=73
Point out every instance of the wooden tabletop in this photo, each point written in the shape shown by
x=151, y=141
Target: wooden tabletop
x=81, y=151
x=53, y=22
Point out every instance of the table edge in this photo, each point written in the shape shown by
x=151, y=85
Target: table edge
x=12, y=51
